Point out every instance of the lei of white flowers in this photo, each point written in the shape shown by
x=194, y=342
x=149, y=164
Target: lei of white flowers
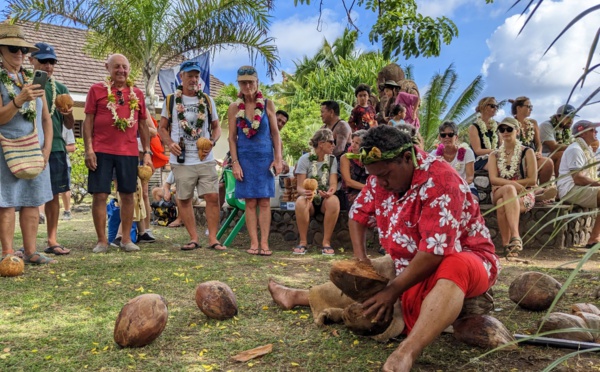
x=324, y=169
x=483, y=128
x=529, y=131
x=53, y=97
x=505, y=172
x=191, y=129
x=590, y=158
x=121, y=123
x=28, y=109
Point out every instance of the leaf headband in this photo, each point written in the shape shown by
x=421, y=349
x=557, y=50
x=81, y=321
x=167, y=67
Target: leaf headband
x=374, y=154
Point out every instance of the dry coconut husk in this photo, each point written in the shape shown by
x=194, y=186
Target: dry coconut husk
x=593, y=323
x=356, y=279
x=141, y=320
x=364, y=326
x=479, y=305
x=216, y=300
x=144, y=172
x=585, y=308
x=534, y=291
x=64, y=102
x=482, y=331
x=556, y=321
x=204, y=146
x=310, y=184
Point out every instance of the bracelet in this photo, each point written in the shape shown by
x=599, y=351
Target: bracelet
x=233, y=162
x=15, y=103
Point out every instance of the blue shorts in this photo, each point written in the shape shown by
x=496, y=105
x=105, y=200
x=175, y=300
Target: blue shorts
x=59, y=172
x=125, y=168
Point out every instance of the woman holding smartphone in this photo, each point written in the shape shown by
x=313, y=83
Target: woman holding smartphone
x=22, y=110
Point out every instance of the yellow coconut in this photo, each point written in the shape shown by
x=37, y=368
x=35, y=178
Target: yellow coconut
x=144, y=172
x=11, y=266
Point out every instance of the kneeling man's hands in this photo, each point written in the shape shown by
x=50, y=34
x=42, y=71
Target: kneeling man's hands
x=381, y=305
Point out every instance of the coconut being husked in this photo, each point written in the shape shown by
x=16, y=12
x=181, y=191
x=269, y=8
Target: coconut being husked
x=482, y=331
x=356, y=279
x=556, y=321
x=141, y=320
x=216, y=300
x=534, y=291
x=144, y=172
x=11, y=266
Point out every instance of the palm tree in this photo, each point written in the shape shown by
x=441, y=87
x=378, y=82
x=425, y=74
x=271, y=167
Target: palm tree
x=151, y=33
x=436, y=106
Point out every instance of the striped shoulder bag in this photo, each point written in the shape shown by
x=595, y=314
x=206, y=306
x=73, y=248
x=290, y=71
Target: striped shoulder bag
x=23, y=155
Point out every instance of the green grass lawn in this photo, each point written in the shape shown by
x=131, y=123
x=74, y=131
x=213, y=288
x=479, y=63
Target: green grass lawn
x=61, y=317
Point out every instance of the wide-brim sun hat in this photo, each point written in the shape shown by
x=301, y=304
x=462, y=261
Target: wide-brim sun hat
x=13, y=35
x=247, y=73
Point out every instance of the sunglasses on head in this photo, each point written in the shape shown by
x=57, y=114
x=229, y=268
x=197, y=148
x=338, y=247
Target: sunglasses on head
x=246, y=71
x=120, y=96
x=493, y=105
x=47, y=61
x=331, y=142
x=444, y=135
x=15, y=49
x=505, y=128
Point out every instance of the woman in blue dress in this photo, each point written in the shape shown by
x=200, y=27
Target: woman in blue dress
x=21, y=108
x=255, y=148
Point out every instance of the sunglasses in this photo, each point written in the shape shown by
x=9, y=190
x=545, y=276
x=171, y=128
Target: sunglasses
x=494, y=106
x=529, y=106
x=444, y=135
x=120, y=96
x=246, y=71
x=15, y=49
x=47, y=61
x=505, y=129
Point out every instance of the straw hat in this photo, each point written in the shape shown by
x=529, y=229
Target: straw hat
x=13, y=35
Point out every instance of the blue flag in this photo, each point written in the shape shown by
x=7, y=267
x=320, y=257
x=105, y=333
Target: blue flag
x=168, y=78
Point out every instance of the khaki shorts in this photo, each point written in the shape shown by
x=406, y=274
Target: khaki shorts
x=202, y=177
x=583, y=196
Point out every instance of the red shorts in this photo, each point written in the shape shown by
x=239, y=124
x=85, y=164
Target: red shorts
x=465, y=269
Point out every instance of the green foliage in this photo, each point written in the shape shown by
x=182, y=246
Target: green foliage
x=79, y=172
x=305, y=120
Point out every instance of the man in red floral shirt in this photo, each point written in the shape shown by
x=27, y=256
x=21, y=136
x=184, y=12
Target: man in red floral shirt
x=431, y=226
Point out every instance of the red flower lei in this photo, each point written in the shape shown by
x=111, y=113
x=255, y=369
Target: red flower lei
x=242, y=122
x=460, y=156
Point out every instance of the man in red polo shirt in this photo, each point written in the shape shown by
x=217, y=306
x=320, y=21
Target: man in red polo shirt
x=114, y=109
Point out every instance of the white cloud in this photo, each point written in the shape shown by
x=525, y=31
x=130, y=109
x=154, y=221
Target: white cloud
x=440, y=8
x=516, y=65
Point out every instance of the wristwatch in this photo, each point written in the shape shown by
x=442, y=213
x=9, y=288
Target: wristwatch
x=148, y=152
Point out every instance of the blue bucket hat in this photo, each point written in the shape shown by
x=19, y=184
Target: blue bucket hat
x=189, y=66
x=46, y=51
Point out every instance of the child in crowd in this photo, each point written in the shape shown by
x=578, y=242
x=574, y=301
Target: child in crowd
x=363, y=115
x=398, y=114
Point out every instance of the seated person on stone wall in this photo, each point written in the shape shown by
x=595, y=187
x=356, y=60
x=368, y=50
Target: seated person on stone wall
x=354, y=174
x=431, y=226
x=578, y=175
x=555, y=134
x=512, y=170
x=482, y=133
x=321, y=166
x=460, y=156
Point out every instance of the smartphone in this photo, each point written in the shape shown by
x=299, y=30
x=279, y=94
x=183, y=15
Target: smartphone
x=272, y=169
x=40, y=77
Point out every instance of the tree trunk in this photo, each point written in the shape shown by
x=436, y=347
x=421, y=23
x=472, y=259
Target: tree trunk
x=150, y=77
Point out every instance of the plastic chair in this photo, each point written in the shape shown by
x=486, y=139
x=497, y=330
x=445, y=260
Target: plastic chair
x=236, y=205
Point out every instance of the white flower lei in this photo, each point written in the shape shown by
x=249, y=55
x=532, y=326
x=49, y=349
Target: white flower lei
x=528, y=132
x=121, y=123
x=28, y=109
x=53, y=97
x=483, y=129
x=324, y=169
x=195, y=128
x=589, y=156
x=514, y=161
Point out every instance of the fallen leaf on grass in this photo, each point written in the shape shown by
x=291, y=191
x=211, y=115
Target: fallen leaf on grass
x=294, y=364
x=335, y=333
x=245, y=356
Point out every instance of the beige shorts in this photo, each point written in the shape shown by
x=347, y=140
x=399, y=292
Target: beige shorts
x=202, y=177
x=583, y=196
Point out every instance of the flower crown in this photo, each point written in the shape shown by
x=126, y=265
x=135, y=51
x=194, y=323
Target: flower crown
x=374, y=154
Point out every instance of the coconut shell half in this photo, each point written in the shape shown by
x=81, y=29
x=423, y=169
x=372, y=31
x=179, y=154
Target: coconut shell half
x=356, y=279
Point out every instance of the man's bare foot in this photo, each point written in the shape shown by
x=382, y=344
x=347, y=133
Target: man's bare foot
x=400, y=360
x=283, y=296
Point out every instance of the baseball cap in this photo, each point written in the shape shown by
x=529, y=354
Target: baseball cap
x=511, y=122
x=566, y=110
x=247, y=73
x=46, y=51
x=582, y=125
x=391, y=83
x=188, y=66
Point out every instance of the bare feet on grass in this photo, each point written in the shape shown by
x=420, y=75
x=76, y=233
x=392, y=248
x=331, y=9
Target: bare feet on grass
x=401, y=360
x=283, y=296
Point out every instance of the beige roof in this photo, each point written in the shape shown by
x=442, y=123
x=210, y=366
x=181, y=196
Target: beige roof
x=76, y=69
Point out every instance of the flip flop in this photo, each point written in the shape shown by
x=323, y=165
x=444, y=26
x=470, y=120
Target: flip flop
x=52, y=250
x=214, y=246
x=267, y=252
x=174, y=226
x=327, y=251
x=252, y=251
x=299, y=249
x=190, y=246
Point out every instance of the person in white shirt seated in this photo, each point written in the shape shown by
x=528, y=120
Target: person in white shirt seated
x=578, y=173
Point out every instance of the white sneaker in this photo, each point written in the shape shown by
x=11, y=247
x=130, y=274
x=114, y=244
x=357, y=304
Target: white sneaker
x=129, y=247
x=99, y=248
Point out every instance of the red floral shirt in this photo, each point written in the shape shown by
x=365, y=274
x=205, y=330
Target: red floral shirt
x=438, y=215
x=362, y=118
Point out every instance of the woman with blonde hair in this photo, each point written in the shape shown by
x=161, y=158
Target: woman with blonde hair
x=482, y=133
x=513, y=170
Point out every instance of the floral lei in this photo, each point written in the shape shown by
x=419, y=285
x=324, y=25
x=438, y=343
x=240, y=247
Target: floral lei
x=28, y=110
x=460, y=155
x=192, y=129
x=324, y=180
x=121, y=123
x=528, y=132
x=242, y=122
x=510, y=171
x=563, y=135
x=483, y=129
x=591, y=159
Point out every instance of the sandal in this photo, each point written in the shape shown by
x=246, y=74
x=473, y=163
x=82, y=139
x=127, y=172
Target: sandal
x=38, y=259
x=214, y=246
x=253, y=251
x=515, y=245
x=190, y=246
x=299, y=249
x=172, y=226
x=58, y=250
x=327, y=251
x=266, y=252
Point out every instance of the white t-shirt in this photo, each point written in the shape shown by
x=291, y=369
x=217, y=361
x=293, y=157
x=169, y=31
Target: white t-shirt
x=547, y=133
x=573, y=159
x=460, y=166
x=191, y=113
x=304, y=165
x=69, y=137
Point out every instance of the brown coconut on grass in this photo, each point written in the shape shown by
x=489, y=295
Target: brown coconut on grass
x=216, y=300
x=11, y=265
x=557, y=321
x=482, y=331
x=356, y=279
x=585, y=308
x=141, y=320
x=534, y=291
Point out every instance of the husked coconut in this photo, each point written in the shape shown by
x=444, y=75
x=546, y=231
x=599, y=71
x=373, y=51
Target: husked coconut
x=144, y=172
x=216, y=300
x=534, y=291
x=482, y=331
x=141, y=320
x=556, y=321
x=204, y=146
x=64, y=102
x=310, y=184
x=11, y=265
x=356, y=279
x=355, y=321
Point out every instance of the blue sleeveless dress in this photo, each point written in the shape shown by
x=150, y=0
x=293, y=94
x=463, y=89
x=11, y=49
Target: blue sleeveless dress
x=255, y=156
